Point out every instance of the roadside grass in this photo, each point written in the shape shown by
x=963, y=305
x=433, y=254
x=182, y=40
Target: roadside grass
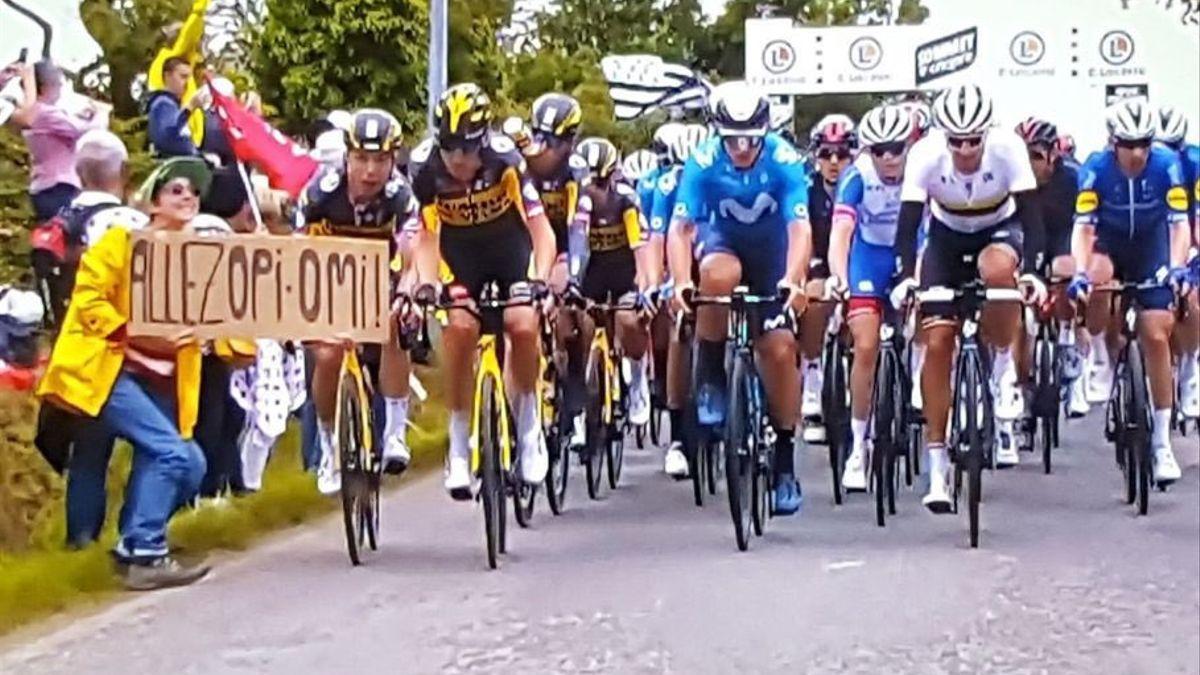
x=38, y=577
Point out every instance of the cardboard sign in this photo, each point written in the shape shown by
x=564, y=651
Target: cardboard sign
x=259, y=286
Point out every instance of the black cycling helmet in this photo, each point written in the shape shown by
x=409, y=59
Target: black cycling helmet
x=600, y=156
x=556, y=115
x=463, y=113
x=373, y=130
x=1035, y=131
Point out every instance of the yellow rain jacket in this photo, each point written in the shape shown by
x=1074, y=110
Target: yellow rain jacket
x=85, y=363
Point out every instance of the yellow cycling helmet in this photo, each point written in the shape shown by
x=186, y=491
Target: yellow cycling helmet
x=373, y=130
x=463, y=114
x=600, y=156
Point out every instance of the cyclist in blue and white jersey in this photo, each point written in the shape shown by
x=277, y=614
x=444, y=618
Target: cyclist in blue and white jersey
x=1172, y=128
x=753, y=184
x=861, y=252
x=1131, y=224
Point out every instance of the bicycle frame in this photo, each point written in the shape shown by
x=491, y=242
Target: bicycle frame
x=487, y=364
x=353, y=367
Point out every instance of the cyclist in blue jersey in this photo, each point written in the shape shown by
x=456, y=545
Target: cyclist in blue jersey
x=1131, y=224
x=753, y=184
x=861, y=251
x=1172, y=129
x=677, y=368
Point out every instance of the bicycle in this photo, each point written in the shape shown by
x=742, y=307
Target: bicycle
x=891, y=417
x=555, y=424
x=358, y=456
x=749, y=440
x=835, y=360
x=1128, y=420
x=699, y=444
x=493, y=429
x=972, y=421
x=605, y=412
x=1047, y=384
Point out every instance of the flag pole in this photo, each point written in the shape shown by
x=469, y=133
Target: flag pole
x=250, y=196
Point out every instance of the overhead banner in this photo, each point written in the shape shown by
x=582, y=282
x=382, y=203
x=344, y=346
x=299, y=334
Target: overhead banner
x=259, y=286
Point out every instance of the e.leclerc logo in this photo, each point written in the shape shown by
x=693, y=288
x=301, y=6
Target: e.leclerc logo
x=865, y=53
x=778, y=56
x=1116, y=47
x=946, y=55
x=1027, y=48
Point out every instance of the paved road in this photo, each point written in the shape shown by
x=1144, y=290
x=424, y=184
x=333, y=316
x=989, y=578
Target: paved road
x=1068, y=580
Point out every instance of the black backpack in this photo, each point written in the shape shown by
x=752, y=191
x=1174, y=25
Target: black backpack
x=56, y=248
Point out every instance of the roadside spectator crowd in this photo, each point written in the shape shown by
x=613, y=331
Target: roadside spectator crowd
x=201, y=417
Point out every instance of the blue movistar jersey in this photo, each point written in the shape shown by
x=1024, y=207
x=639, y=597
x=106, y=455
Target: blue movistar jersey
x=665, y=190
x=873, y=203
x=771, y=193
x=1134, y=208
x=645, y=189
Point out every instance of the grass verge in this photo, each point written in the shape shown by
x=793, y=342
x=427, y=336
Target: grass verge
x=44, y=579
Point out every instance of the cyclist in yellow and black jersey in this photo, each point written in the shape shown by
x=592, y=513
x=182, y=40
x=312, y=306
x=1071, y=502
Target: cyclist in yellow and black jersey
x=481, y=221
x=608, y=264
x=367, y=197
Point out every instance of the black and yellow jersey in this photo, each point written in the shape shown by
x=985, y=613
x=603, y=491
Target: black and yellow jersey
x=325, y=208
x=560, y=190
x=613, y=223
x=501, y=196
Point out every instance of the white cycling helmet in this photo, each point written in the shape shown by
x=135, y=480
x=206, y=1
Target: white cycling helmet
x=638, y=164
x=963, y=110
x=885, y=124
x=664, y=136
x=1172, y=125
x=1131, y=120
x=738, y=109
x=686, y=142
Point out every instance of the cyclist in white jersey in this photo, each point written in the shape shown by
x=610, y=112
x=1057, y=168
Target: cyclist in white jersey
x=979, y=186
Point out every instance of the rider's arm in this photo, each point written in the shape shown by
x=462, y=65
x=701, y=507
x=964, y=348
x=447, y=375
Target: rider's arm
x=1029, y=212
x=1087, y=208
x=1177, y=215
x=911, y=213
x=637, y=234
x=658, y=213
x=426, y=246
x=845, y=214
x=578, y=250
x=529, y=202
x=681, y=233
x=795, y=208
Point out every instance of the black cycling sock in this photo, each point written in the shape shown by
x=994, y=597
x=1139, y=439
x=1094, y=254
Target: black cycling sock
x=785, y=461
x=711, y=368
x=676, y=417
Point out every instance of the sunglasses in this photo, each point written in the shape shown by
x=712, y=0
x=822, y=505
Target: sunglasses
x=893, y=148
x=1039, y=156
x=550, y=140
x=180, y=188
x=734, y=143
x=456, y=143
x=964, y=141
x=834, y=154
x=1132, y=145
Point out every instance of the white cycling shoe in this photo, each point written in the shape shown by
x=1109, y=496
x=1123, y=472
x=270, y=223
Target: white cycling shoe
x=854, y=476
x=396, y=455
x=1166, y=469
x=1007, y=454
x=329, y=477
x=458, y=479
x=810, y=404
x=1100, y=382
x=675, y=462
x=1077, y=400
x=1010, y=400
x=1189, y=389
x=535, y=458
x=937, y=499
x=639, y=403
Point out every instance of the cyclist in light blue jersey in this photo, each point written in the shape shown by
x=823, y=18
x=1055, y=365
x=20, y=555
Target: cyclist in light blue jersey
x=862, y=251
x=1131, y=224
x=753, y=184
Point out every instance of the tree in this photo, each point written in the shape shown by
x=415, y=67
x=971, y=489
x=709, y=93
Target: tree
x=313, y=56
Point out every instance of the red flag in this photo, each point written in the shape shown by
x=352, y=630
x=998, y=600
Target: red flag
x=287, y=165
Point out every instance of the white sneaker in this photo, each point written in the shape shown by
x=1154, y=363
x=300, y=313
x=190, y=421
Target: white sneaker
x=458, y=477
x=579, y=431
x=639, y=403
x=937, y=499
x=811, y=406
x=1189, y=390
x=329, y=477
x=535, y=458
x=917, y=401
x=814, y=433
x=1010, y=400
x=1006, y=446
x=854, y=476
x=1077, y=402
x=1166, y=469
x=675, y=463
x=1100, y=382
x=396, y=455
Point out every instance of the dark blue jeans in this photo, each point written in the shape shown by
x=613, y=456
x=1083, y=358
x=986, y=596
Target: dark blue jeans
x=167, y=469
x=87, y=471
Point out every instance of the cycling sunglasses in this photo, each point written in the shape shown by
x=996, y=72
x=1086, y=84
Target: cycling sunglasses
x=1038, y=154
x=893, y=148
x=550, y=140
x=1132, y=145
x=964, y=141
x=834, y=154
x=459, y=143
x=736, y=143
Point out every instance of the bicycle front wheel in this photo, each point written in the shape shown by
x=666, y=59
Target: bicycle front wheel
x=557, y=434
x=492, y=483
x=1046, y=398
x=975, y=401
x=1138, y=423
x=740, y=450
x=348, y=433
x=594, y=449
